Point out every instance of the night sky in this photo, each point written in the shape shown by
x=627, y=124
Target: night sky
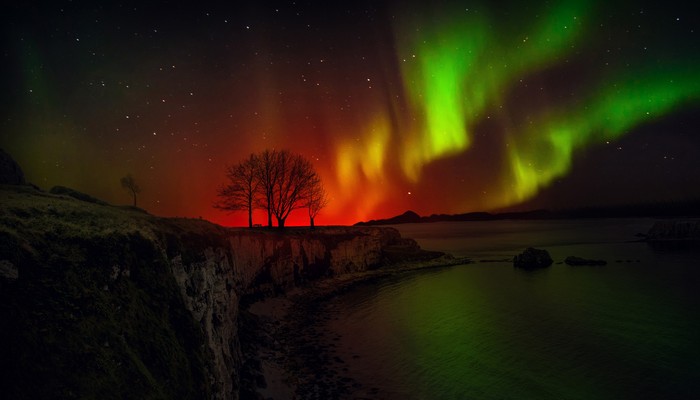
x=446, y=107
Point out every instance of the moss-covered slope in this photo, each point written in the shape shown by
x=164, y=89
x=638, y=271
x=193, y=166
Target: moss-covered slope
x=93, y=310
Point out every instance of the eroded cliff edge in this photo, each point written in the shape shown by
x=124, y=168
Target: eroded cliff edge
x=110, y=302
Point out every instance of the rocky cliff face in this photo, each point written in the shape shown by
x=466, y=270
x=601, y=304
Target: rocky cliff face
x=109, y=302
x=271, y=262
x=262, y=263
x=207, y=288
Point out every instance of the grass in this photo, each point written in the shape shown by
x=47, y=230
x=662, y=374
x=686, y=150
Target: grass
x=73, y=324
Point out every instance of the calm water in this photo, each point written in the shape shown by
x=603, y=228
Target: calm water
x=627, y=330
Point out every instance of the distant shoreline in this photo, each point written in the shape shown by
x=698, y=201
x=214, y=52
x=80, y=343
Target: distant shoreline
x=688, y=210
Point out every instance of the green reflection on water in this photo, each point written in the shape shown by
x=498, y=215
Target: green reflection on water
x=489, y=331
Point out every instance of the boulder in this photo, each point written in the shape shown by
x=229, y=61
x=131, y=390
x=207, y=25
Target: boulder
x=571, y=260
x=10, y=172
x=532, y=258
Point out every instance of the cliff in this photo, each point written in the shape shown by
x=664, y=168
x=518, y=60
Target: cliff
x=110, y=302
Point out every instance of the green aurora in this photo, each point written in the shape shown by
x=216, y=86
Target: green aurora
x=615, y=109
x=468, y=61
x=442, y=107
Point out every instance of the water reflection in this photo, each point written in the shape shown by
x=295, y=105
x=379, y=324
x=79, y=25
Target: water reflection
x=487, y=330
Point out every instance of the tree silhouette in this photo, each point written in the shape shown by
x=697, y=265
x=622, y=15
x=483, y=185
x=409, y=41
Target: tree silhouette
x=277, y=181
x=129, y=184
x=293, y=176
x=316, y=199
x=267, y=176
x=242, y=188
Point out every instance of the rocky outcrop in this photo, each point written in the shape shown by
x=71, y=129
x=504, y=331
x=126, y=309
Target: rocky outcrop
x=532, y=258
x=255, y=264
x=674, y=230
x=266, y=263
x=10, y=172
x=207, y=288
x=149, y=306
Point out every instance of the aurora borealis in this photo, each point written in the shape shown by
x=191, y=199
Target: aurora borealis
x=444, y=107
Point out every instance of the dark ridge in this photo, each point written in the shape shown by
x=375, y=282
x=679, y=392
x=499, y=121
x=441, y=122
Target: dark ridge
x=412, y=217
x=405, y=218
x=66, y=191
x=653, y=210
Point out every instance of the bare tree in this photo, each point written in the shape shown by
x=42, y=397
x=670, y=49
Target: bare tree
x=294, y=175
x=277, y=181
x=316, y=198
x=267, y=176
x=240, y=192
x=129, y=184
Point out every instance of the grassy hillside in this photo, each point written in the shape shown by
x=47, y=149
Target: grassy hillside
x=89, y=308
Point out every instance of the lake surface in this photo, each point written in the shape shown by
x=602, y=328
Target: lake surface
x=627, y=330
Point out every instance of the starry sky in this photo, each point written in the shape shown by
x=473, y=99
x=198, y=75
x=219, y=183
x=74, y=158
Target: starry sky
x=439, y=107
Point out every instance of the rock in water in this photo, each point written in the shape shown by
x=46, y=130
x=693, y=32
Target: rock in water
x=10, y=172
x=571, y=260
x=532, y=258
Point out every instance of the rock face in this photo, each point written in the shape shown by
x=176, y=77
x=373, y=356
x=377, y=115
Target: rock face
x=10, y=172
x=261, y=263
x=271, y=262
x=532, y=258
x=149, y=306
x=207, y=288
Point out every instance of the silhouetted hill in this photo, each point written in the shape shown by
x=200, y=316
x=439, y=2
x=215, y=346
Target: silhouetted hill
x=406, y=218
x=659, y=210
x=411, y=217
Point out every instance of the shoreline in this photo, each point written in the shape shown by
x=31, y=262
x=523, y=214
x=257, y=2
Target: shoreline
x=287, y=354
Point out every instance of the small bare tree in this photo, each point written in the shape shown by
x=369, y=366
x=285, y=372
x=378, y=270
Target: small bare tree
x=129, y=184
x=316, y=199
x=239, y=194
